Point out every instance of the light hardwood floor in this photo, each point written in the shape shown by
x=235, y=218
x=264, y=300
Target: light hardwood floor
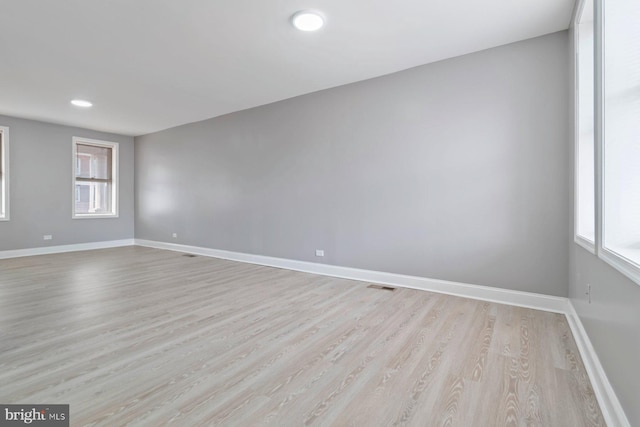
x=138, y=336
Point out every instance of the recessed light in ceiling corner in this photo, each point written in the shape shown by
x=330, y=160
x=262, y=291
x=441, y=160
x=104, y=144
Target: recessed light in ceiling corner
x=81, y=103
x=307, y=20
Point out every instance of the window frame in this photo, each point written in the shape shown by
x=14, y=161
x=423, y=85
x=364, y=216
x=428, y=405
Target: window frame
x=627, y=267
x=577, y=238
x=115, y=181
x=5, y=174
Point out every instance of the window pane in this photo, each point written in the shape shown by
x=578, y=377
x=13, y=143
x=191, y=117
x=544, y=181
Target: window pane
x=95, y=178
x=585, y=209
x=93, y=162
x=93, y=197
x=621, y=232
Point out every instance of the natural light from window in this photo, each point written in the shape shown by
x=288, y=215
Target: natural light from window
x=621, y=145
x=95, y=175
x=585, y=146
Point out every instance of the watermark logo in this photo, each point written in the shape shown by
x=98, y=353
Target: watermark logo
x=34, y=415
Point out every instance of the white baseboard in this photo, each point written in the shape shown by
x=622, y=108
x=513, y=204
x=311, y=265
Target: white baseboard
x=485, y=293
x=44, y=250
x=609, y=404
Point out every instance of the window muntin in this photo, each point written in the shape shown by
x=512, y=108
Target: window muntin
x=95, y=170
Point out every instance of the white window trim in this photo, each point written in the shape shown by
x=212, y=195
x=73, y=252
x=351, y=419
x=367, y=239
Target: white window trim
x=585, y=243
x=577, y=238
x=618, y=262
x=598, y=117
x=624, y=265
x=4, y=203
x=115, y=177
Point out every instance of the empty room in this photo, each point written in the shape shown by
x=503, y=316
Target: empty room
x=324, y=213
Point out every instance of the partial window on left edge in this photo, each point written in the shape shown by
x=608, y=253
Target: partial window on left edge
x=4, y=173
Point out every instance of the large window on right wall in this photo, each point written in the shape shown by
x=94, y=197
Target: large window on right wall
x=621, y=133
x=616, y=135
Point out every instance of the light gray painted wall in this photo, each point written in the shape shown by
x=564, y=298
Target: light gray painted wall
x=40, y=181
x=455, y=170
x=612, y=321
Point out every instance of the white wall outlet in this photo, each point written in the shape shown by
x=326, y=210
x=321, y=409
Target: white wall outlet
x=588, y=293
x=174, y=235
x=319, y=252
x=47, y=237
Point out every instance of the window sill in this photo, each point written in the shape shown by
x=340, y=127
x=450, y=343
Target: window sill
x=95, y=216
x=621, y=263
x=586, y=244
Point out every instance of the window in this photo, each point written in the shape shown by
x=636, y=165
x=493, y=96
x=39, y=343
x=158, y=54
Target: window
x=4, y=173
x=616, y=68
x=95, y=178
x=584, y=145
x=621, y=134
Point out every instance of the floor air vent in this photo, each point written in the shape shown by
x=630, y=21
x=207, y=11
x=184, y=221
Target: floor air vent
x=384, y=288
x=190, y=255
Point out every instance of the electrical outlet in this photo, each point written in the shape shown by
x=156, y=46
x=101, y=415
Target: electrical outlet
x=174, y=235
x=47, y=237
x=319, y=252
x=588, y=293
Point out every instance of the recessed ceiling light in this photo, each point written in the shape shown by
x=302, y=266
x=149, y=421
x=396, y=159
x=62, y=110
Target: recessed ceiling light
x=81, y=103
x=306, y=20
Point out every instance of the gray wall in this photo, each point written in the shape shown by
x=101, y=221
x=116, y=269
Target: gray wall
x=40, y=188
x=455, y=170
x=612, y=321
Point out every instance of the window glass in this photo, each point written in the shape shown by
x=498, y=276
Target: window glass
x=621, y=142
x=585, y=146
x=95, y=189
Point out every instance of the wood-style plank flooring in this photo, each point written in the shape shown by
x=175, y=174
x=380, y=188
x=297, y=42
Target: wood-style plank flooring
x=144, y=337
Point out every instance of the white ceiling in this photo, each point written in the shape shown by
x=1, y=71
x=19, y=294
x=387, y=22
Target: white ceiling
x=149, y=65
